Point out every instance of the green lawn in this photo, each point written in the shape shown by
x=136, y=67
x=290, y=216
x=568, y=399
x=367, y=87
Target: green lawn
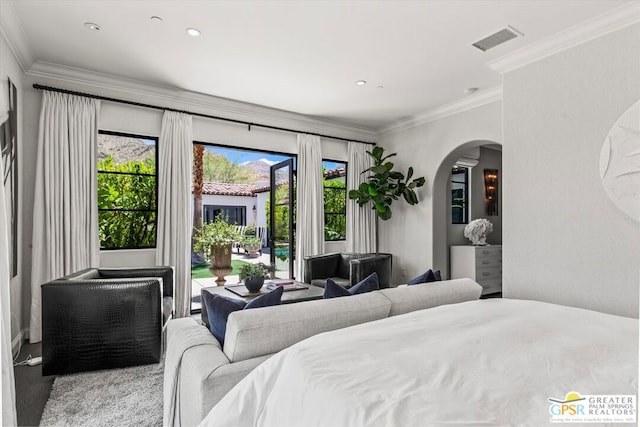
x=202, y=271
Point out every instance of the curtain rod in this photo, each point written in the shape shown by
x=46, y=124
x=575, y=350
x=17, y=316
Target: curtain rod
x=140, y=104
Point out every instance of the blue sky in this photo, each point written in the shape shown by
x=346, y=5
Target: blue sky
x=243, y=156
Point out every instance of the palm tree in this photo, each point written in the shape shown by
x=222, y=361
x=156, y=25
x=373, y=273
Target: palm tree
x=198, y=154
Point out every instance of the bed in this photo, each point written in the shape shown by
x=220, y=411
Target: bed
x=480, y=363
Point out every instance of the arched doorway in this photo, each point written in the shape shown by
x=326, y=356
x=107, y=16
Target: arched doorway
x=441, y=204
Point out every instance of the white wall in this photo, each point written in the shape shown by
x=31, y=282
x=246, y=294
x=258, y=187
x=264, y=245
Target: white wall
x=409, y=234
x=564, y=240
x=9, y=69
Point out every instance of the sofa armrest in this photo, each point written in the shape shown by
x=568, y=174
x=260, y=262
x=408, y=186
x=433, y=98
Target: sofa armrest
x=320, y=266
x=166, y=273
x=376, y=263
x=206, y=374
x=206, y=377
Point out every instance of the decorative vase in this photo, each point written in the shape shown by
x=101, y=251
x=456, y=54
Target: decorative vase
x=221, y=262
x=254, y=284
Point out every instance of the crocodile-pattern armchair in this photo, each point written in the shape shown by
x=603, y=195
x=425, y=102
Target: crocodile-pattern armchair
x=347, y=269
x=105, y=318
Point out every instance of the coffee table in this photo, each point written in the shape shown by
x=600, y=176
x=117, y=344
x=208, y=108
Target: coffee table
x=289, y=297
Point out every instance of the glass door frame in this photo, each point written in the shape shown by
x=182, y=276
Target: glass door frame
x=272, y=213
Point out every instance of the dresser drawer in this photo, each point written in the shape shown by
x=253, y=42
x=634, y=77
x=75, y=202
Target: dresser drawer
x=491, y=286
x=485, y=274
x=483, y=252
x=486, y=262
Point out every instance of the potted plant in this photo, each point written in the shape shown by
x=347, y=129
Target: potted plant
x=214, y=241
x=252, y=244
x=385, y=185
x=253, y=276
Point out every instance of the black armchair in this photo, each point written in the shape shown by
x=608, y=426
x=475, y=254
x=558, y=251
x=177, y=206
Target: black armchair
x=105, y=318
x=347, y=269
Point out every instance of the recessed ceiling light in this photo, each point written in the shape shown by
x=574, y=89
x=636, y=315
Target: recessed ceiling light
x=156, y=18
x=194, y=32
x=470, y=90
x=380, y=87
x=92, y=26
x=360, y=82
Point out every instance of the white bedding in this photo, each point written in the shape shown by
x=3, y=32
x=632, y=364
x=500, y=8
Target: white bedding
x=488, y=362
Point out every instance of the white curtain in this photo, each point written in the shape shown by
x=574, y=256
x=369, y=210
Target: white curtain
x=7, y=392
x=65, y=215
x=309, y=201
x=361, y=220
x=173, y=247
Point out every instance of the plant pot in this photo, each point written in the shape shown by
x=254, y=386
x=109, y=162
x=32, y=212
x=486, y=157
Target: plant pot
x=253, y=249
x=254, y=284
x=221, y=262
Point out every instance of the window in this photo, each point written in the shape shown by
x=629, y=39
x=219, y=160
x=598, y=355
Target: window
x=335, y=200
x=459, y=195
x=127, y=190
x=234, y=214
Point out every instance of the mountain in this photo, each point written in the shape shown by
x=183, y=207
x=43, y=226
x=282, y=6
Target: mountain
x=124, y=149
x=262, y=170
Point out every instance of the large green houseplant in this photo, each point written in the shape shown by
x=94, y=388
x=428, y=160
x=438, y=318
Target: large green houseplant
x=385, y=185
x=214, y=240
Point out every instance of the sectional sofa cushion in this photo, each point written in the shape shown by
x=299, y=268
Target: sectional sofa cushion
x=254, y=333
x=368, y=284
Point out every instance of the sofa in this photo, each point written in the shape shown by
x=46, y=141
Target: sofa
x=105, y=318
x=347, y=268
x=205, y=371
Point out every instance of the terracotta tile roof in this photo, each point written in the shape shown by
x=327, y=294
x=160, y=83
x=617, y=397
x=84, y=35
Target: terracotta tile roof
x=222, y=189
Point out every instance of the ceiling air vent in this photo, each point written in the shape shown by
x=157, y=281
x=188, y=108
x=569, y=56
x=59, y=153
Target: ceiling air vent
x=498, y=38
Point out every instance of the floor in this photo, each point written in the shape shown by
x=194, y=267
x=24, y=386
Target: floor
x=32, y=389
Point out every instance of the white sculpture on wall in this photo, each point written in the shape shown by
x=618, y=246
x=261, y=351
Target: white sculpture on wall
x=477, y=231
x=620, y=162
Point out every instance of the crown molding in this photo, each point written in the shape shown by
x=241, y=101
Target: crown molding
x=171, y=97
x=12, y=31
x=478, y=99
x=598, y=26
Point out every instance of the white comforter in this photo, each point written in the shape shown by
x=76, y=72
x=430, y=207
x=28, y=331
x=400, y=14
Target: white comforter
x=489, y=362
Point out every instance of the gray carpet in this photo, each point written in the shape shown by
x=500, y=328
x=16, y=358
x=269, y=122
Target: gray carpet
x=115, y=397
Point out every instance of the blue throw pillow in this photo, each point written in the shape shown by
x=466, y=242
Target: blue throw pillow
x=368, y=284
x=333, y=290
x=218, y=309
x=272, y=298
x=426, y=277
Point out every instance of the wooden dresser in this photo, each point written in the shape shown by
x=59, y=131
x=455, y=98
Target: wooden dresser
x=480, y=263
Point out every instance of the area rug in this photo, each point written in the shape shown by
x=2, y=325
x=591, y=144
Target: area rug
x=114, y=397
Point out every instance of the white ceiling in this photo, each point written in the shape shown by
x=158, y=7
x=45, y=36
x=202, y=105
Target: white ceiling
x=300, y=56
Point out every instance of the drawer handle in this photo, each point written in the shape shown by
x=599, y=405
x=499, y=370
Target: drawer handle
x=486, y=273
x=485, y=252
x=486, y=262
